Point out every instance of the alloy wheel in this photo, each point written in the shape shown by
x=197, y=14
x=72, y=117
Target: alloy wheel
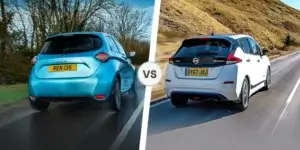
x=245, y=99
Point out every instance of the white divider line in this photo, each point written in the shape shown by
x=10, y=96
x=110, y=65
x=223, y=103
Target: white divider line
x=152, y=53
x=287, y=102
x=124, y=132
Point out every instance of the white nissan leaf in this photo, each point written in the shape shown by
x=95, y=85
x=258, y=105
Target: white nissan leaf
x=219, y=68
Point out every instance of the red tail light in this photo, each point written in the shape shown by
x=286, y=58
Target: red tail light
x=99, y=96
x=231, y=59
x=171, y=60
x=34, y=60
x=32, y=97
x=103, y=57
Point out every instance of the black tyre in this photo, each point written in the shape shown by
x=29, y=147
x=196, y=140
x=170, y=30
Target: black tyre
x=132, y=90
x=179, y=101
x=243, y=102
x=268, y=80
x=39, y=105
x=115, y=97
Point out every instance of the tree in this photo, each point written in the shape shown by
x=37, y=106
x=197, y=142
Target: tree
x=52, y=16
x=128, y=24
x=3, y=33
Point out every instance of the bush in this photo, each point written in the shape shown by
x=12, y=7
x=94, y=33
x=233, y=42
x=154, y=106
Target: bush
x=140, y=47
x=287, y=40
x=14, y=69
x=290, y=41
x=140, y=57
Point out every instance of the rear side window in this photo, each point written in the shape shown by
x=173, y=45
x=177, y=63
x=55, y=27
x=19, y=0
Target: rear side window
x=203, y=47
x=71, y=44
x=254, y=47
x=120, y=48
x=112, y=44
x=245, y=45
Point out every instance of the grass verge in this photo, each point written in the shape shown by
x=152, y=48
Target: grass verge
x=10, y=94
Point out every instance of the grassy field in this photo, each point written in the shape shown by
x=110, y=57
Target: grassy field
x=268, y=21
x=10, y=94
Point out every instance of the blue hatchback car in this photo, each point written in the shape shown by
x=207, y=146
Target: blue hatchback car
x=80, y=66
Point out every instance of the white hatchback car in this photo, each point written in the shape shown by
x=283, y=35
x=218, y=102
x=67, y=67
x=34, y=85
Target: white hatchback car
x=218, y=67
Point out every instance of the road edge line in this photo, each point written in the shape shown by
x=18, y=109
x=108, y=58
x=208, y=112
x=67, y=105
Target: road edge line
x=282, y=57
x=125, y=130
x=158, y=101
x=287, y=102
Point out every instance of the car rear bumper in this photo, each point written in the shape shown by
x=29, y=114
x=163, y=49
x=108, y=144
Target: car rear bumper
x=219, y=91
x=77, y=89
x=224, y=87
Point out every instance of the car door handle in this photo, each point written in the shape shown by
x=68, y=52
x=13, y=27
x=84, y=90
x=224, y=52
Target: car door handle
x=248, y=60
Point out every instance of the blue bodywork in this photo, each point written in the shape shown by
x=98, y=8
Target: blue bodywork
x=92, y=77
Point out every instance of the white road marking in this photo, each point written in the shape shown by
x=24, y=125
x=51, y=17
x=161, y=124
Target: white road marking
x=283, y=57
x=124, y=132
x=288, y=101
x=163, y=101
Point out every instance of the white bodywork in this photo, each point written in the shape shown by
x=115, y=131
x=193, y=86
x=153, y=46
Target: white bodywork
x=255, y=70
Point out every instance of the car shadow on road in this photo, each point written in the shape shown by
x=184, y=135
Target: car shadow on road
x=170, y=118
x=68, y=126
x=166, y=117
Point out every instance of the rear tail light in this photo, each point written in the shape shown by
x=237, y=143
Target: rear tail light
x=231, y=59
x=32, y=97
x=103, y=57
x=171, y=60
x=99, y=97
x=34, y=60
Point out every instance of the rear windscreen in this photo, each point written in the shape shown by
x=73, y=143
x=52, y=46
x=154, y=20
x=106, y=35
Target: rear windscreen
x=203, y=47
x=71, y=44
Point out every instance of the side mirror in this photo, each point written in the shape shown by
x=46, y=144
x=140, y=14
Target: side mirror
x=265, y=51
x=131, y=54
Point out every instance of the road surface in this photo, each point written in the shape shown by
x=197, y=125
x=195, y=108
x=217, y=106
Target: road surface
x=272, y=120
x=71, y=126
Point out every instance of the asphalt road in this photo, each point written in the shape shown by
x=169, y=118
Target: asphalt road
x=272, y=120
x=73, y=126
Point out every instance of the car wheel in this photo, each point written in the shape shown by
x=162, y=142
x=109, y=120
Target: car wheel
x=179, y=101
x=268, y=80
x=39, y=105
x=115, y=97
x=132, y=90
x=243, y=102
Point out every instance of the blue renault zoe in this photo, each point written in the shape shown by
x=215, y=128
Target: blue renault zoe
x=80, y=66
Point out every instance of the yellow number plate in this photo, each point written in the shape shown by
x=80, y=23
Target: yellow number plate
x=197, y=72
x=60, y=68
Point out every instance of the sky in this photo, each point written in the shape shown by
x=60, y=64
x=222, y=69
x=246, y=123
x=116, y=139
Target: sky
x=293, y=3
x=138, y=3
